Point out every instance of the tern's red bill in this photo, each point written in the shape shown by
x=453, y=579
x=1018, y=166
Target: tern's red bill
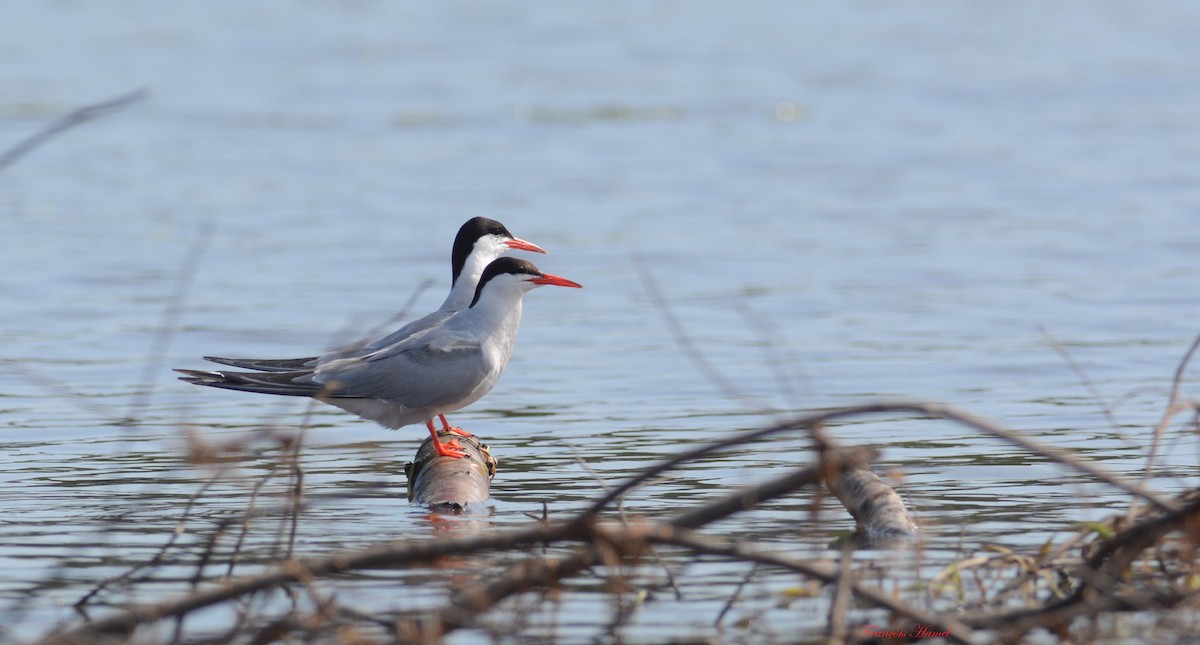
x=524, y=245
x=556, y=281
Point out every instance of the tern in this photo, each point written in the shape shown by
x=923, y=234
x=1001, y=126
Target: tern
x=439, y=369
x=479, y=241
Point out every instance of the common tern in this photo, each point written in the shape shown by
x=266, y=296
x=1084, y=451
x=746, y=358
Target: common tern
x=479, y=241
x=439, y=369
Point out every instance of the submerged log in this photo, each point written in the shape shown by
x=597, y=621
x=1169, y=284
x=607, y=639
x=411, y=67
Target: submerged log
x=877, y=509
x=450, y=482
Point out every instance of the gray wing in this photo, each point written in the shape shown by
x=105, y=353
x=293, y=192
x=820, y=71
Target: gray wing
x=349, y=350
x=432, y=369
x=421, y=324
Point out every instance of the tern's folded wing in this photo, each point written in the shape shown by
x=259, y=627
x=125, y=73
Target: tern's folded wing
x=431, y=370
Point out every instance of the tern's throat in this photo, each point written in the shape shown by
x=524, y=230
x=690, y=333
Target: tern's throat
x=497, y=317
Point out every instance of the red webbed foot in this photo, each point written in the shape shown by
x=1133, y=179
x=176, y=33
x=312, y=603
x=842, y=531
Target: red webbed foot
x=446, y=427
x=451, y=448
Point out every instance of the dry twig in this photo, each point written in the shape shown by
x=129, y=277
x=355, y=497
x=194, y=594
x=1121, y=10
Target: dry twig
x=82, y=115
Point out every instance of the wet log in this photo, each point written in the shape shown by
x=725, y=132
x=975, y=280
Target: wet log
x=877, y=509
x=449, y=482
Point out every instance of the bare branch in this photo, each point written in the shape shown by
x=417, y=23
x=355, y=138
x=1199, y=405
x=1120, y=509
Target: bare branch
x=1173, y=408
x=932, y=410
x=958, y=632
x=71, y=120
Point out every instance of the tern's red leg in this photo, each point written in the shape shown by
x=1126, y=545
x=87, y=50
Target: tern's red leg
x=449, y=449
x=446, y=427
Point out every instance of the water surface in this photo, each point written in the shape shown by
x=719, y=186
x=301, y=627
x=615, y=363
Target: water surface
x=840, y=204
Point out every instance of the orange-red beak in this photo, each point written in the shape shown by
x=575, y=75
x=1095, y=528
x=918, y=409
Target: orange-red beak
x=523, y=245
x=556, y=281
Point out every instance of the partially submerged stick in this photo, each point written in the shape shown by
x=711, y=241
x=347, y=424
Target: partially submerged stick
x=450, y=482
x=876, y=507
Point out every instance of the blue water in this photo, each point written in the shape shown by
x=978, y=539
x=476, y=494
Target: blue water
x=840, y=203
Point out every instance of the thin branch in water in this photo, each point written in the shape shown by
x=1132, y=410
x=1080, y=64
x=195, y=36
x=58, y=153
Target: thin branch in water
x=296, y=492
x=82, y=115
x=736, y=595
x=1172, y=408
x=57, y=387
x=171, y=316
x=840, y=605
x=180, y=528
x=400, y=315
x=1177, y=381
x=1087, y=382
x=210, y=547
x=338, y=340
x=790, y=375
x=247, y=517
x=679, y=334
x=621, y=513
x=586, y=466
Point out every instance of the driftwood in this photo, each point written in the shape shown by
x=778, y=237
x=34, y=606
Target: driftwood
x=876, y=508
x=449, y=482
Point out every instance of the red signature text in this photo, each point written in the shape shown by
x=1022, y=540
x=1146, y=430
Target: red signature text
x=918, y=631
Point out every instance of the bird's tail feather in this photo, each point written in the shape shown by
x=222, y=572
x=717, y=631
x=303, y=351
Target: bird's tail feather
x=267, y=364
x=295, y=383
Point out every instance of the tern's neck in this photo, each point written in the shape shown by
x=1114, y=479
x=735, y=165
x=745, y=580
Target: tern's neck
x=463, y=290
x=496, y=316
